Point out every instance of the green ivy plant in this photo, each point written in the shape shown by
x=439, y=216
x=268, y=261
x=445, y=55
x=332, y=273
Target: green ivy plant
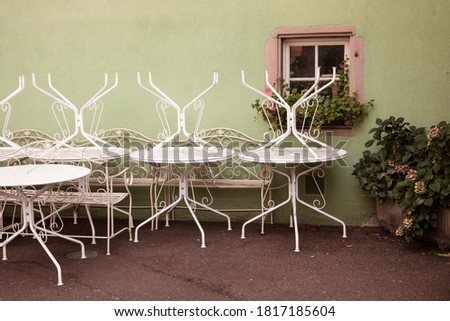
x=343, y=109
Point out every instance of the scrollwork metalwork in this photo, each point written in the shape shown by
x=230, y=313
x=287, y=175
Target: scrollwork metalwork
x=319, y=203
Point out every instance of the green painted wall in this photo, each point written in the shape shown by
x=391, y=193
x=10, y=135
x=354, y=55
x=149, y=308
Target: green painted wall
x=407, y=67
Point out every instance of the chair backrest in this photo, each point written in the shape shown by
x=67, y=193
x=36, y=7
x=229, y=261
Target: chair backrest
x=5, y=114
x=71, y=119
x=233, y=168
x=299, y=115
x=169, y=136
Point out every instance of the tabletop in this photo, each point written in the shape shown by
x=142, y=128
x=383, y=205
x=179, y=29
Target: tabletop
x=293, y=155
x=43, y=174
x=182, y=155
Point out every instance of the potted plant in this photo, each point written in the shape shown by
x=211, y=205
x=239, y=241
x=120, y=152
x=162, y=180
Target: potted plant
x=343, y=108
x=424, y=194
x=378, y=171
x=340, y=109
x=409, y=174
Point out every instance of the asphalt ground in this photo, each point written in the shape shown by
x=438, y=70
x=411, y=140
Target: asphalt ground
x=168, y=264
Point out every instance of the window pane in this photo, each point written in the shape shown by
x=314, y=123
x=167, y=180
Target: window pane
x=305, y=85
x=329, y=57
x=329, y=91
x=301, y=61
x=301, y=85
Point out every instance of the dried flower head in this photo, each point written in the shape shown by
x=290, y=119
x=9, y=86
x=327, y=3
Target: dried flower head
x=420, y=188
x=412, y=175
x=407, y=223
x=401, y=169
x=399, y=231
x=434, y=132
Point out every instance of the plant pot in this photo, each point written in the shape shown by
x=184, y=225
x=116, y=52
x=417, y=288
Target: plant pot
x=389, y=215
x=441, y=233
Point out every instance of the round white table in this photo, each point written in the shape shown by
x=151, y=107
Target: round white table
x=43, y=177
x=67, y=154
x=179, y=156
x=292, y=157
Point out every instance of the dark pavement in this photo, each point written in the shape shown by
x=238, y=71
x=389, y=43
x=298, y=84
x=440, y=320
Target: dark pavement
x=169, y=264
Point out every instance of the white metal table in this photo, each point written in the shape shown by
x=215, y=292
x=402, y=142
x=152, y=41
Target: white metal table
x=43, y=177
x=312, y=152
x=96, y=154
x=179, y=157
x=293, y=157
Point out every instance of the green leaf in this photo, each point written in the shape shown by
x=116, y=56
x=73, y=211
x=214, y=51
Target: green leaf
x=435, y=187
x=428, y=201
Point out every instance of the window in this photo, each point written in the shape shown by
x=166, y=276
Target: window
x=293, y=52
x=302, y=57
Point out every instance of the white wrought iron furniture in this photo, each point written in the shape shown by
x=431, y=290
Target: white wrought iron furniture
x=9, y=149
x=206, y=183
x=311, y=151
x=182, y=161
x=44, y=177
x=101, y=156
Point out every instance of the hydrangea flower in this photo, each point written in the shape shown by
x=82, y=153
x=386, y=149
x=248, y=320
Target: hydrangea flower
x=420, y=188
x=412, y=175
x=434, y=132
x=407, y=223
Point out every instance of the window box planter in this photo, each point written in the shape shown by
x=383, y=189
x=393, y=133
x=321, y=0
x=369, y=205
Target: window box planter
x=338, y=130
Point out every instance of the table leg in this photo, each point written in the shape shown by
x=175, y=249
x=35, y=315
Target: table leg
x=292, y=189
x=271, y=209
x=29, y=214
x=344, y=229
x=192, y=201
x=68, y=238
x=13, y=236
x=155, y=216
x=202, y=232
x=261, y=215
x=315, y=208
x=294, y=198
x=189, y=201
